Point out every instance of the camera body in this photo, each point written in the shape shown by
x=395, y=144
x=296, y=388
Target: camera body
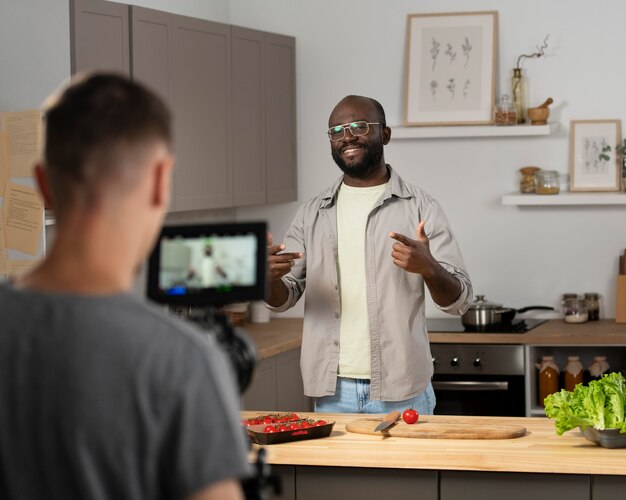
x=195, y=269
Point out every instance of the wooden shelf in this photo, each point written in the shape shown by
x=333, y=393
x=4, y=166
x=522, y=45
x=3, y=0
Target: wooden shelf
x=401, y=132
x=566, y=198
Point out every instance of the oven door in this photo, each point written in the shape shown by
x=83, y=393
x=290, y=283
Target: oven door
x=485, y=395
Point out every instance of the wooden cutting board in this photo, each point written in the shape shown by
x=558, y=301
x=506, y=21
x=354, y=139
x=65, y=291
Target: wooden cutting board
x=437, y=430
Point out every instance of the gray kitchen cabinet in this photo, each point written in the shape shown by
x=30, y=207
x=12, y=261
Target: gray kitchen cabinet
x=263, y=117
x=152, y=52
x=277, y=385
x=248, y=116
x=232, y=96
x=201, y=80
x=472, y=485
x=99, y=36
x=187, y=62
x=261, y=393
x=280, y=118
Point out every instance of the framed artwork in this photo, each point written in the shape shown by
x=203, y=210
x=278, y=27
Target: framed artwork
x=588, y=170
x=450, y=76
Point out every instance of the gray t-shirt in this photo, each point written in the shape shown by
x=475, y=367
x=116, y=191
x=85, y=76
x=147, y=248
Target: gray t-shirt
x=110, y=398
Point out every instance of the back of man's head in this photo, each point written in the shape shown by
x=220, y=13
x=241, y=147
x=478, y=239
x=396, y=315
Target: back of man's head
x=98, y=129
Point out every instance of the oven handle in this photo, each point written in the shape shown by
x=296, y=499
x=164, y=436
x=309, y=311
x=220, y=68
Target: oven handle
x=470, y=386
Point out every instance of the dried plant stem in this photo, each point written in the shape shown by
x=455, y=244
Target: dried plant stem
x=540, y=52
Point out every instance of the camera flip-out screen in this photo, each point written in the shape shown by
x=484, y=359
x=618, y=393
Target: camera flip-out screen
x=208, y=264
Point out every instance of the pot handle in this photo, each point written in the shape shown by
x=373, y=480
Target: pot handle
x=545, y=308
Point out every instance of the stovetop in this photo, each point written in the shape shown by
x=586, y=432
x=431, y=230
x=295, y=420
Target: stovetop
x=454, y=325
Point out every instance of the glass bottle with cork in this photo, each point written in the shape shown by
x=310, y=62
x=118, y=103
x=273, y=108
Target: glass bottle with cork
x=518, y=89
x=598, y=368
x=518, y=86
x=548, y=377
x=593, y=306
x=573, y=373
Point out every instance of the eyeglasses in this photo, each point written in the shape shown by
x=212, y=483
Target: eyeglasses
x=338, y=132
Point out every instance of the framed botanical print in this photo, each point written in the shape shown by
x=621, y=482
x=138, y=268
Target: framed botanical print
x=594, y=163
x=450, y=68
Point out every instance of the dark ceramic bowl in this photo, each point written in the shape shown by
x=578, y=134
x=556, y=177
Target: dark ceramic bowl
x=607, y=438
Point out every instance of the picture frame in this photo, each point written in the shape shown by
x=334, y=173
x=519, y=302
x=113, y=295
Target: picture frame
x=588, y=171
x=450, y=68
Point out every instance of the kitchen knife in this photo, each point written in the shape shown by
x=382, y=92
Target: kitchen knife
x=390, y=419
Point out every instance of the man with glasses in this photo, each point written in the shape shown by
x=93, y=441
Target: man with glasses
x=364, y=249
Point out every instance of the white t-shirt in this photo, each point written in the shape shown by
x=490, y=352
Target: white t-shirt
x=353, y=208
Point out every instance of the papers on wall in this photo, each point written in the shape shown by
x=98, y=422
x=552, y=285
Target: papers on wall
x=24, y=138
x=21, y=208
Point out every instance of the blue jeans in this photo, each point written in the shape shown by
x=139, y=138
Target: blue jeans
x=353, y=396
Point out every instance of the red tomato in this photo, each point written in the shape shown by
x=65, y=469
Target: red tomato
x=410, y=416
x=294, y=425
x=283, y=428
x=305, y=425
x=269, y=428
x=319, y=422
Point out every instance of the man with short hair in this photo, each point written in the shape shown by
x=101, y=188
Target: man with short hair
x=365, y=249
x=103, y=396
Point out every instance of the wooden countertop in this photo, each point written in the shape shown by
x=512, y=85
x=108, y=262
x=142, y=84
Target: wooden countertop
x=277, y=336
x=552, y=332
x=540, y=450
x=284, y=334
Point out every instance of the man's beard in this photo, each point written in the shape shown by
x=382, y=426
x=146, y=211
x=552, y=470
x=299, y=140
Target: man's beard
x=361, y=170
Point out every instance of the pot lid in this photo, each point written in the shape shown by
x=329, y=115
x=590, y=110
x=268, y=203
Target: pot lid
x=481, y=304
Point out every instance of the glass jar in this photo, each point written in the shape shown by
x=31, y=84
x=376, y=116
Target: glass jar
x=575, y=310
x=593, y=306
x=599, y=367
x=547, y=182
x=505, y=111
x=518, y=90
x=548, y=377
x=573, y=373
x=528, y=179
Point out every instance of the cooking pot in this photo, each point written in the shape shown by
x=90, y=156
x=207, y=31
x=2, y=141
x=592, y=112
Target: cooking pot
x=483, y=315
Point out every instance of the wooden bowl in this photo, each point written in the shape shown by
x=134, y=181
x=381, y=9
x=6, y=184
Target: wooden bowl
x=538, y=116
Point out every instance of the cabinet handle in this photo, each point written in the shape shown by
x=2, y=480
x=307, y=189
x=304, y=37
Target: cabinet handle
x=470, y=386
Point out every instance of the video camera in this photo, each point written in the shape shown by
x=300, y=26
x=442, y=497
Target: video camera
x=195, y=269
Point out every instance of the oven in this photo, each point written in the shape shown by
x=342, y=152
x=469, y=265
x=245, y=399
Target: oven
x=479, y=379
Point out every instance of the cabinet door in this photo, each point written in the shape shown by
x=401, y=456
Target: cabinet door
x=261, y=394
x=280, y=119
x=152, y=32
x=248, y=117
x=201, y=82
x=289, y=386
x=99, y=36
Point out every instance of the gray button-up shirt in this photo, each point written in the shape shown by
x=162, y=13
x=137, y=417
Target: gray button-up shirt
x=401, y=360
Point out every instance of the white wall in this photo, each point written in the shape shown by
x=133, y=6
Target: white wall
x=517, y=256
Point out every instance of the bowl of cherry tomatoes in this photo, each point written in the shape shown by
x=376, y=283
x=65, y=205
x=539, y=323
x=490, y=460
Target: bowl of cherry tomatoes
x=285, y=427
